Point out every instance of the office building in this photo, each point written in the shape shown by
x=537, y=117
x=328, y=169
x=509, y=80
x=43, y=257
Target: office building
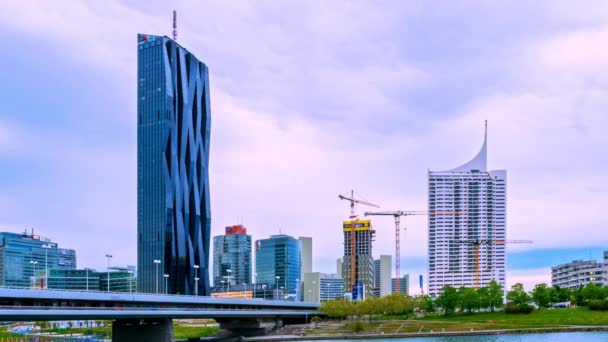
x=122, y=279
x=382, y=276
x=580, y=273
x=474, y=200
x=173, y=210
x=306, y=243
x=322, y=287
x=401, y=285
x=339, y=266
x=232, y=256
x=358, y=237
x=278, y=264
x=25, y=258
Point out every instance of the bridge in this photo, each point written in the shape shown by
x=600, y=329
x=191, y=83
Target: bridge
x=148, y=317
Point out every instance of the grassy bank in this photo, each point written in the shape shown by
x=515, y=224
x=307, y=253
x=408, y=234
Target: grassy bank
x=538, y=318
x=461, y=322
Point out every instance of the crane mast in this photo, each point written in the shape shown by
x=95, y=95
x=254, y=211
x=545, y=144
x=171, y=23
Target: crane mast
x=352, y=240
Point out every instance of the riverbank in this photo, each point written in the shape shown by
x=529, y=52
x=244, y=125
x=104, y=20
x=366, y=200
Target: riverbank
x=365, y=336
x=484, y=323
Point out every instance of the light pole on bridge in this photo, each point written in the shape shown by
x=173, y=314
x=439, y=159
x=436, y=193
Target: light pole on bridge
x=196, y=280
x=156, y=263
x=109, y=256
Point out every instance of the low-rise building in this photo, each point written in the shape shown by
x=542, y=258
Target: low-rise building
x=580, y=273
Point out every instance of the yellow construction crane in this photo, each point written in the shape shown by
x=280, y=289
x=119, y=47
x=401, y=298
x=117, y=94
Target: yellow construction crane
x=352, y=200
x=477, y=244
x=397, y=215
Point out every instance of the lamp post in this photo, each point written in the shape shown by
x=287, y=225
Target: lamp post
x=34, y=263
x=46, y=263
x=297, y=288
x=109, y=256
x=166, y=280
x=196, y=280
x=130, y=281
x=228, y=278
x=156, y=263
x=255, y=288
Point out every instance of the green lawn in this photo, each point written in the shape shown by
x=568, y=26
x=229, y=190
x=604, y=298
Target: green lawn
x=538, y=318
x=182, y=332
x=467, y=322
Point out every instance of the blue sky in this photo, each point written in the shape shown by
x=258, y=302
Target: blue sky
x=310, y=99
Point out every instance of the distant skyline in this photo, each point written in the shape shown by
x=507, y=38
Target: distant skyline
x=309, y=100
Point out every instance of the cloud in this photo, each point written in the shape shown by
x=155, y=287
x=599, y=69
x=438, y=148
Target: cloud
x=314, y=98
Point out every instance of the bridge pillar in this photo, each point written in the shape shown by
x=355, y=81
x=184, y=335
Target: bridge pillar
x=249, y=326
x=135, y=330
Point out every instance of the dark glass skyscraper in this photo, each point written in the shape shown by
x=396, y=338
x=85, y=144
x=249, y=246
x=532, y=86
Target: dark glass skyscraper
x=173, y=125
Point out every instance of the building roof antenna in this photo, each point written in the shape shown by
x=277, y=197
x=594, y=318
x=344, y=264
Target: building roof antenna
x=174, y=25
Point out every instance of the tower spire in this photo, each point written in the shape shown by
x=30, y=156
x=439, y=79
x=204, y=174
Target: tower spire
x=174, y=25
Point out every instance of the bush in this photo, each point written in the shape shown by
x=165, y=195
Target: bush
x=518, y=308
x=357, y=327
x=598, y=304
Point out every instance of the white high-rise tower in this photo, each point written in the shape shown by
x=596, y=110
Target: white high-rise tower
x=479, y=196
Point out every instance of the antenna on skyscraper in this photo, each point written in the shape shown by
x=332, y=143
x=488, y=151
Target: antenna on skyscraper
x=175, y=25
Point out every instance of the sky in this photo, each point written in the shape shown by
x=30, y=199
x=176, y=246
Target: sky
x=311, y=99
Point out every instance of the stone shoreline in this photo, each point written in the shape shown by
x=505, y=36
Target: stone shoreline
x=428, y=334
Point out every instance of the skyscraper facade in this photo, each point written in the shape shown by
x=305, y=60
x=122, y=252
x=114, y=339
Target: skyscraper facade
x=26, y=258
x=173, y=126
x=278, y=263
x=306, y=243
x=358, y=263
x=461, y=245
x=382, y=276
x=232, y=256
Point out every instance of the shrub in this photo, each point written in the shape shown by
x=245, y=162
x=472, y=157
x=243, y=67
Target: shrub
x=315, y=320
x=598, y=304
x=357, y=327
x=512, y=308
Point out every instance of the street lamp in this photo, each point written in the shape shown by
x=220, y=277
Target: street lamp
x=196, y=280
x=297, y=287
x=46, y=262
x=130, y=281
x=166, y=279
x=156, y=263
x=109, y=256
x=34, y=263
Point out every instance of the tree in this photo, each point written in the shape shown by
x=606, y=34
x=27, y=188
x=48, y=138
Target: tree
x=518, y=295
x=495, y=295
x=591, y=292
x=424, y=304
x=484, y=297
x=468, y=298
x=541, y=295
x=448, y=299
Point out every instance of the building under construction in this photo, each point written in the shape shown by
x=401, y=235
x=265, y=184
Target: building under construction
x=358, y=237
